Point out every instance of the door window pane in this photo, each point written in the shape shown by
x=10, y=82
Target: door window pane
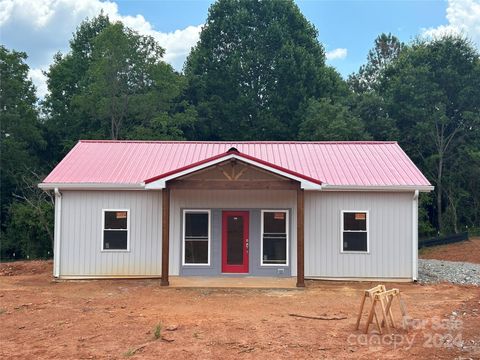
x=235, y=240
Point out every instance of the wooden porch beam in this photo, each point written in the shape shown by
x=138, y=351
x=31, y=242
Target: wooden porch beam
x=300, y=238
x=234, y=185
x=165, y=235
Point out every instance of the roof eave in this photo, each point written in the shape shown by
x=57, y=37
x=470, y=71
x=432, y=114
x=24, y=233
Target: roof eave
x=90, y=186
x=386, y=188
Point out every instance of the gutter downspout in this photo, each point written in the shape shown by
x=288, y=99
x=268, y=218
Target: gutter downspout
x=57, y=233
x=415, y=236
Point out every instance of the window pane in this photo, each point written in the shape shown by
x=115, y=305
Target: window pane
x=115, y=219
x=355, y=221
x=235, y=238
x=196, y=252
x=196, y=225
x=354, y=241
x=274, y=250
x=275, y=222
x=115, y=240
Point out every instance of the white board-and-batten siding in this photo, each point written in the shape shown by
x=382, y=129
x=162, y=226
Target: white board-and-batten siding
x=390, y=235
x=390, y=231
x=81, y=252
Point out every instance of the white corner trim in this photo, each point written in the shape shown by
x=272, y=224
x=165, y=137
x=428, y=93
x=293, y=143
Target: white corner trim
x=415, y=236
x=304, y=184
x=57, y=234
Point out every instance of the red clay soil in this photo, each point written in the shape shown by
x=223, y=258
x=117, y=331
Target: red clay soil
x=116, y=319
x=468, y=251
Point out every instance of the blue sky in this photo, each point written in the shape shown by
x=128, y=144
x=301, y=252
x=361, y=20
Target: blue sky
x=347, y=29
x=351, y=25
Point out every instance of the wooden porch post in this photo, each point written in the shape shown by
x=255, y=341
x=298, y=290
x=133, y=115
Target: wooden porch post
x=165, y=234
x=300, y=238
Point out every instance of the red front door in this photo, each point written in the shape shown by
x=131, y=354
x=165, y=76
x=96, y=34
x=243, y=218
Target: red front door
x=235, y=242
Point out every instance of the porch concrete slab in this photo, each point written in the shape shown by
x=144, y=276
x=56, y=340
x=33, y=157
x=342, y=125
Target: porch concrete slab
x=255, y=282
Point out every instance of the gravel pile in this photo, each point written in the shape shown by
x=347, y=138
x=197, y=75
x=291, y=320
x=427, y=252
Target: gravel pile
x=435, y=271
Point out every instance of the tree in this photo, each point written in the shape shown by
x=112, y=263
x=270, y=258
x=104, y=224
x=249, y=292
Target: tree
x=372, y=109
x=21, y=137
x=326, y=121
x=65, y=79
x=387, y=48
x=118, y=87
x=254, y=69
x=29, y=231
x=433, y=93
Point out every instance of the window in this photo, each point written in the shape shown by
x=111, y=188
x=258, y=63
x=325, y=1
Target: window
x=354, y=231
x=115, y=230
x=274, y=237
x=196, y=237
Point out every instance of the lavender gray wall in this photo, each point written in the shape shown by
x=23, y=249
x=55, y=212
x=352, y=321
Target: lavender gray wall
x=215, y=267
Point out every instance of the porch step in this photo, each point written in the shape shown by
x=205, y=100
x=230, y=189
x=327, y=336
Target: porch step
x=255, y=282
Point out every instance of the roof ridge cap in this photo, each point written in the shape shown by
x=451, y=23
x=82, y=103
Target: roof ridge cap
x=366, y=142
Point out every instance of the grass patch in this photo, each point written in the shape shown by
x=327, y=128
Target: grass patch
x=129, y=352
x=424, y=251
x=157, y=331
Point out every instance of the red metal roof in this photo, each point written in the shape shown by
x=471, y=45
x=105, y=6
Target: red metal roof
x=367, y=163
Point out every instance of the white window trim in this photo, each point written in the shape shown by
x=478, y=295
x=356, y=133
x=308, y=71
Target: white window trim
x=128, y=230
x=185, y=211
x=287, y=229
x=342, y=230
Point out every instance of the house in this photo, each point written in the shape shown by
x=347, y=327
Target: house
x=329, y=210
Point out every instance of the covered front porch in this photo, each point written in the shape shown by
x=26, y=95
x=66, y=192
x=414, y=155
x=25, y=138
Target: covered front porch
x=233, y=223
x=238, y=282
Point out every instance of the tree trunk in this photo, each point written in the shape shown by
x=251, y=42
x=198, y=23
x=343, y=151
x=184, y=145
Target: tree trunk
x=439, y=193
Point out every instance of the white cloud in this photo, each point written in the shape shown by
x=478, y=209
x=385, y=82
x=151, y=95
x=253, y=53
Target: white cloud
x=335, y=54
x=40, y=81
x=463, y=17
x=43, y=27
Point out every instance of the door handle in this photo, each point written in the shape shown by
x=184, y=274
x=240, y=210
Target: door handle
x=246, y=244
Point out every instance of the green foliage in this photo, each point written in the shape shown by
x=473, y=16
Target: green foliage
x=30, y=231
x=118, y=87
x=326, y=121
x=21, y=138
x=253, y=70
x=387, y=49
x=372, y=109
x=425, y=228
x=432, y=91
x=129, y=352
x=157, y=331
x=65, y=79
x=257, y=73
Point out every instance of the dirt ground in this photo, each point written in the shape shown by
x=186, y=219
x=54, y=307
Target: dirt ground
x=468, y=251
x=117, y=319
